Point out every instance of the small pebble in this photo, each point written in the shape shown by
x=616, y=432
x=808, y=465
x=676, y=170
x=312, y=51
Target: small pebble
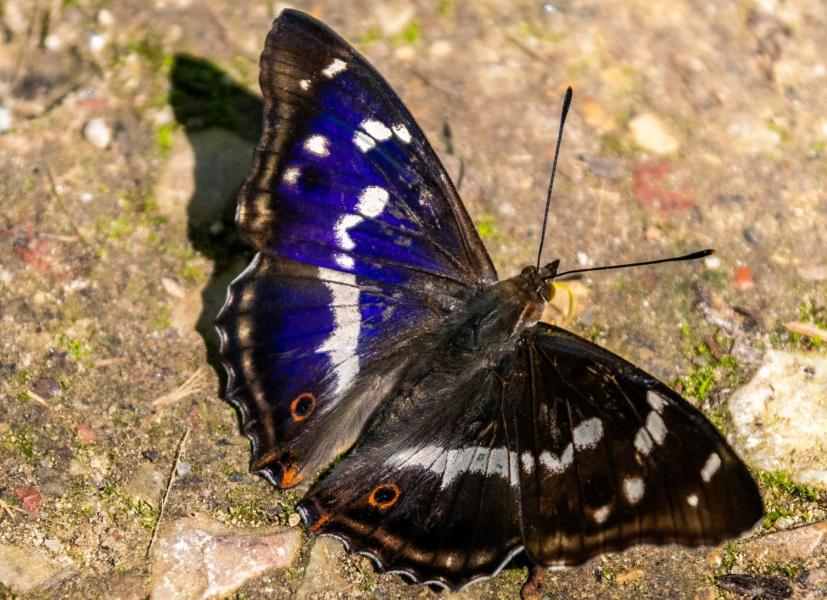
x=86, y=197
x=743, y=278
x=151, y=454
x=712, y=262
x=172, y=288
x=105, y=18
x=52, y=42
x=294, y=519
x=440, y=48
x=52, y=544
x=97, y=133
x=183, y=468
x=96, y=42
x=86, y=435
x=583, y=259
x=651, y=133
x=29, y=497
x=6, y=119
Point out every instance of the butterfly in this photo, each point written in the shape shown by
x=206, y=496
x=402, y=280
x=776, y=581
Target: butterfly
x=371, y=329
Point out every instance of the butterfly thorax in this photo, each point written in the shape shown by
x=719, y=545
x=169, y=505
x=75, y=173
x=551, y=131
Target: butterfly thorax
x=496, y=317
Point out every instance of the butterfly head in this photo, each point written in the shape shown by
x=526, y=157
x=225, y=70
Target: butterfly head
x=539, y=281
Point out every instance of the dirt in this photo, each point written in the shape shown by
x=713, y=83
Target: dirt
x=114, y=260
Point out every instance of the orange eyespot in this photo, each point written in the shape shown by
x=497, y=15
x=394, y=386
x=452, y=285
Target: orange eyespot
x=384, y=496
x=302, y=406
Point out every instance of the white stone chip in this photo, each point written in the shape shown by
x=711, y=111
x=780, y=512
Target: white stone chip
x=97, y=133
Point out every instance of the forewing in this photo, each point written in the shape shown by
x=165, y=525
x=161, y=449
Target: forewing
x=611, y=457
x=431, y=489
x=343, y=177
x=363, y=245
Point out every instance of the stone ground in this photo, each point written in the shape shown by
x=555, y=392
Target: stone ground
x=126, y=129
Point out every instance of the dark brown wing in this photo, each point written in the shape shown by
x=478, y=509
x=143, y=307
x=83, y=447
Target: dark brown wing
x=611, y=457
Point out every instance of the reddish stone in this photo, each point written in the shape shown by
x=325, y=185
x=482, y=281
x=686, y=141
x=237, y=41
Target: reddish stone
x=35, y=252
x=653, y=189
x=743, y=278
x=29, y=497
x=86, y=435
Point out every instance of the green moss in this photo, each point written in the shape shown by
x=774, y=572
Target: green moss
x=818, y=147
x=782, y=481
x=611, y=143
x=410, y=35
x=163, y=138
x=730, y=557
x=785, y=498
x=76, y=348
x=22, y=441
x=119, y=228
x=371, y=35
x=163, y=318
x=712, y=370
x=487, y=228
x=509, y=581
x=153, y=53
x=446, y=9
x=139, y=511
x=810, y=312
x=783, y=133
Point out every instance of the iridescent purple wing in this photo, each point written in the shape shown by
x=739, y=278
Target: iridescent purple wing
x=363, y=243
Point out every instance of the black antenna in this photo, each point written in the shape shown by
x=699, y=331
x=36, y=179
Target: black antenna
x=563, y=114
x=693, y=256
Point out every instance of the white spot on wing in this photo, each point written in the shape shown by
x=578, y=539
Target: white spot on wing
x=692, y=500
x=710, y=467
x=317, y=144
x=376, y=129
x=587, y=433
x=633, y=489
x=601, y=514
x=656, y=427
x=341, y=231
x=343, y=340
x=372, y=201
x=344, y=260
x=498, y=463
x=656, y=401
x=557, y=464
x=450, y=464
x=402, y=133
x=335, y=67
x=456, y=464
x=528, y=462
x=643, y=441
x=363, y=141
x=291, y=175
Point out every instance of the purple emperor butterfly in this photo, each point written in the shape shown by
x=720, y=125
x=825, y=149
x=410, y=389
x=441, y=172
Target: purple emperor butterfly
x=372, y=323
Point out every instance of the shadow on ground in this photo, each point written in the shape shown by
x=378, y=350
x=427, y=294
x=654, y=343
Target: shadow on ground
x=222, y=121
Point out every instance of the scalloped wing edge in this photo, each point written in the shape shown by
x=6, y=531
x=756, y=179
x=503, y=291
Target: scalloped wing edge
x=230, y=388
